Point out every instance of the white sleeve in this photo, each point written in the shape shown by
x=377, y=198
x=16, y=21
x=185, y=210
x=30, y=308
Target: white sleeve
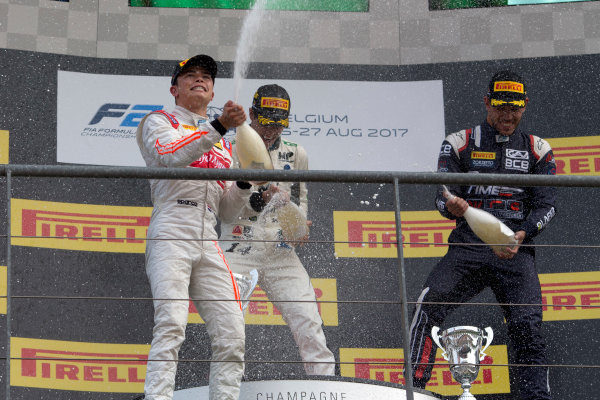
x=164, y=144
x=233, y=202
x=245, y=211
x=302, y=164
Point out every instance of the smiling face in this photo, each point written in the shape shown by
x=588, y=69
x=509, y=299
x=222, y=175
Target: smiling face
x=193, y=90
x=268, y=133
x=504, y=119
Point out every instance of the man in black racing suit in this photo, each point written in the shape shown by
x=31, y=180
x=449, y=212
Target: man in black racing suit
x=496, y=146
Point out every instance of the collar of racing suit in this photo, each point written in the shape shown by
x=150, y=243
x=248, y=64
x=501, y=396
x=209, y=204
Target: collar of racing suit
x=275, y=144
x=197, y=119
x=487, y=129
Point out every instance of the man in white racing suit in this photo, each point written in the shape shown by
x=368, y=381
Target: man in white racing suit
x=183, y=259
x=280, y=273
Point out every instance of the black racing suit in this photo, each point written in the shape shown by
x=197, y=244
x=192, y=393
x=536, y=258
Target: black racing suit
x=466, y=270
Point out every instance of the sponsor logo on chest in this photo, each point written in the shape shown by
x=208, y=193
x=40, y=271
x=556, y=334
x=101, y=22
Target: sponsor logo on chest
x=287, y=156
x=483, y=159
x=517, y=160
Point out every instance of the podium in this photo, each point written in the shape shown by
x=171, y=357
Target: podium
x=316, y=388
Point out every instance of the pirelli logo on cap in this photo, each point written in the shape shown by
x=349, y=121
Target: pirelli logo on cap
x=372, y=234
x=509, y=86
x=261, y=311
x=576, y=155
x=78, y=366
x=275, y=102
x=571, y=295
x=387, y=364
x=86, y=227
x=483, y=155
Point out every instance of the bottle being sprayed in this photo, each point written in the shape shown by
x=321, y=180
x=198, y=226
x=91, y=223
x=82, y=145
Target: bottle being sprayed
x=488, y=228
x=251, y=150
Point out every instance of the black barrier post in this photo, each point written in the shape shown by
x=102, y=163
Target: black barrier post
x=403, y=299
x=8, y=281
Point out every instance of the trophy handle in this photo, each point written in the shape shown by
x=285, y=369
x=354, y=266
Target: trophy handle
x=436, y=338
x=488, y=340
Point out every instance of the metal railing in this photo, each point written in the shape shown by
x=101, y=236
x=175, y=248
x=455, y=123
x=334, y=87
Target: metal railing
x=395, y=178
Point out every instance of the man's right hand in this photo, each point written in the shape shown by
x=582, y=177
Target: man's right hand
x=233, y=115
x=456, y=205
x=268, y=194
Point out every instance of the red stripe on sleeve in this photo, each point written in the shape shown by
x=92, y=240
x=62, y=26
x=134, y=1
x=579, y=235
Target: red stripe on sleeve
x=178, y=144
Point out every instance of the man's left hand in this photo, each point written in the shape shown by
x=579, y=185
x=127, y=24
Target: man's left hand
x=508, y=252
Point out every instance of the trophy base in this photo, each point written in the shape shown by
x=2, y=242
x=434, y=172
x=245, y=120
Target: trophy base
x=467, y=396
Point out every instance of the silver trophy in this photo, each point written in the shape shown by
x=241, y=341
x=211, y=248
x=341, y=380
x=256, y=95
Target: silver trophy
x=462, y=348
x=246, y=285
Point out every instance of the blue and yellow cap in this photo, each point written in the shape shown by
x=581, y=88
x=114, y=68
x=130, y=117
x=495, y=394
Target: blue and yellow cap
x=201, y=60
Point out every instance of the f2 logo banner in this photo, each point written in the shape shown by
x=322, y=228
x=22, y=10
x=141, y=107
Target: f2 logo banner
x=132, y=119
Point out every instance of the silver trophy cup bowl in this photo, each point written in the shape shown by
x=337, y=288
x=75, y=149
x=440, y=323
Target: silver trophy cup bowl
x=463, y=348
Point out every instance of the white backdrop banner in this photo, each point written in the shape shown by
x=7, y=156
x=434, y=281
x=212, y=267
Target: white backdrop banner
x=344, y=125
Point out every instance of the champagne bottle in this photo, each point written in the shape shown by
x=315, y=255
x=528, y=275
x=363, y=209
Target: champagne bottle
x=488, y=228
x=251, y=150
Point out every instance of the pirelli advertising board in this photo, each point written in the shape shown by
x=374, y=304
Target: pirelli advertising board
x=577, y=155
x=90, y=367
x=387, y=365
x=372, y=234
x=83, y=227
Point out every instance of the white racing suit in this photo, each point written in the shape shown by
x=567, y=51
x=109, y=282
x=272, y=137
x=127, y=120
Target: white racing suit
x=180, y=268
x=280, y=273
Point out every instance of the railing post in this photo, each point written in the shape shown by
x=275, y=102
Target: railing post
x=403, y=299
x=8, y=280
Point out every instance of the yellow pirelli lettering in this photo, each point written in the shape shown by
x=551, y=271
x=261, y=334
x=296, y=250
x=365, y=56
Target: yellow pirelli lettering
x=372, y=234
x=576, y=155
x=483, y=155
x=571, y=295
x=387, y=365
x=78, y=366
x=509, y=86
x=84, y=227
x=275, y=102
